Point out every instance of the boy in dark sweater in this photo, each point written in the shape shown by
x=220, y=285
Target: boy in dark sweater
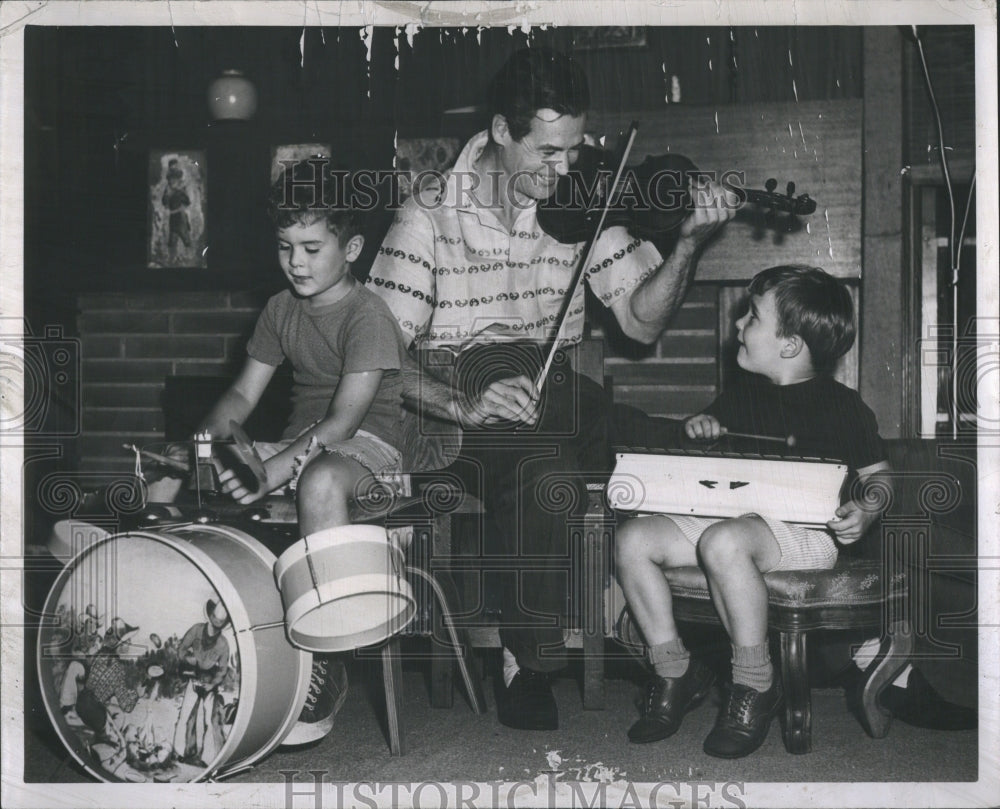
x=800, y=321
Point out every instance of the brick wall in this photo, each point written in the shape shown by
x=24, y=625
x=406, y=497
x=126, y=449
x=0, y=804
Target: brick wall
x=131, y=342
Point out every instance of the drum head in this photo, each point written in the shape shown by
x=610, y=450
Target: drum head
x=130, y=708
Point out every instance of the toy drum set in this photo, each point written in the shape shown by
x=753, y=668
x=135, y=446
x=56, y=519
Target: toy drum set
x=182, y=652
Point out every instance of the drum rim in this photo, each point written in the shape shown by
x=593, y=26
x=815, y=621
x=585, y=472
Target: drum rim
x=223, y=762
x=331, y=538
x=357, y=640
x=305, y=658
x=328, y=593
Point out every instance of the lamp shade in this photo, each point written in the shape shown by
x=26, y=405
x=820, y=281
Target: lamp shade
x=232, y=96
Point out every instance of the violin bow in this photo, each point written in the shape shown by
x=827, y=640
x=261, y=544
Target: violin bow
x=587, y=255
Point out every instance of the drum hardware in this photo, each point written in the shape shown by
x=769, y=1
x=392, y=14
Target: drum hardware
x=271, y=625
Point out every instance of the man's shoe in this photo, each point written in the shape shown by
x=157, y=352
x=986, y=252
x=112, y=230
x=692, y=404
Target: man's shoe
x=743, y=721
x=71, y=716
x=527, y=703
x=327, y=692
x=667, y=700
x=921, y=706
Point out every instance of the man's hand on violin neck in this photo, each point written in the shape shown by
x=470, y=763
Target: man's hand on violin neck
x=513, y=399
x=713, y=206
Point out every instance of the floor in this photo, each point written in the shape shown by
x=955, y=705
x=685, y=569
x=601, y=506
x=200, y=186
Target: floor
x=590, y=746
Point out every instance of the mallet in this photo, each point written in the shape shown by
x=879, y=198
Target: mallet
x=788, y=441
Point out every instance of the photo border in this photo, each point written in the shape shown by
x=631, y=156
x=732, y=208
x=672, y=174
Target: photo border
x=15, y=15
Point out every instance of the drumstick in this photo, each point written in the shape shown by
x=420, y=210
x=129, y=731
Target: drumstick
x=786, y=440
x=163, y=459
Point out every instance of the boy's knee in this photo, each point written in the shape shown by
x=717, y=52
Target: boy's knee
x=720, y=543
x=628, y=542
x=325, y=477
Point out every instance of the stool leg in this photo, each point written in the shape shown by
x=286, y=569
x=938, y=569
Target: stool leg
x=798, y=702
x=392, y=680
x=899, y=648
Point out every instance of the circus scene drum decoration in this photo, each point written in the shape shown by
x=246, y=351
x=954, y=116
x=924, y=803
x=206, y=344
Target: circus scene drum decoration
x=167, y=659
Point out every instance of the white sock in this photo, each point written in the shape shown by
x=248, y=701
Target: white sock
x=866, y=653
x=904, y=677
x=510, y=667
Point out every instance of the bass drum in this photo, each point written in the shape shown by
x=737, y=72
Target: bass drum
x=164, y=658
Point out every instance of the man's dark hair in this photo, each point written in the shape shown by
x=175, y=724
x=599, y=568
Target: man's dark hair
x=535, y=79
x=812, y=304
x=305, y=192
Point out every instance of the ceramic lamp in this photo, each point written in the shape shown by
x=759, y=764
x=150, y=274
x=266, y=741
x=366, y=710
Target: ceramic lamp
x=232, y=96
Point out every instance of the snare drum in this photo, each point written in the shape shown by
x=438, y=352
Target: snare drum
x=149, y=589
x=344, y=588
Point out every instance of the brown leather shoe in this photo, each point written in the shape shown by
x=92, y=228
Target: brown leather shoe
x=667, y=700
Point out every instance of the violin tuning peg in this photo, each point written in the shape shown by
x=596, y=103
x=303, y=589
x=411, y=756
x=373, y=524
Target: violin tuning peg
x=771, y=184
x=790, y=188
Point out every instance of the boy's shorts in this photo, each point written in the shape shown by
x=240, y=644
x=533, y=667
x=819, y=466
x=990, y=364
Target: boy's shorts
x=802, y=548
x=383, y=460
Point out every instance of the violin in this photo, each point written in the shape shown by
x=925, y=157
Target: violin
x=650, y=199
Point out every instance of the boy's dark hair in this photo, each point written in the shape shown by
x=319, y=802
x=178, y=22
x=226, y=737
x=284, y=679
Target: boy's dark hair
x=812, y=304
x=306, y=192
x=535, y=79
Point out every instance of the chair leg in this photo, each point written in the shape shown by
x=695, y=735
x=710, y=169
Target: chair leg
x=392, y=680
x=593, y=671
x=442, y=682
x=798, y=703
x=899, y=648
x=458, y=641
x=595, y=574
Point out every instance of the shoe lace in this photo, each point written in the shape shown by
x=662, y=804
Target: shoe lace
x=316, y=679
x=741, y=702
x=653, y=689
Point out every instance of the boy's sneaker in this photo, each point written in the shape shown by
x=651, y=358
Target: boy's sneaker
x=327, y=692
x=743, y=721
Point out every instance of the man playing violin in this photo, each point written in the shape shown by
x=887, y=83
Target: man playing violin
x=466, y=266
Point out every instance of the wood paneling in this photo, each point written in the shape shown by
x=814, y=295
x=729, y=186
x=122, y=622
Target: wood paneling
x=816, y=145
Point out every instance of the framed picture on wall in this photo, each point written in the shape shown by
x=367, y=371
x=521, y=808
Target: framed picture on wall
x=280, y=155
x=178, y=185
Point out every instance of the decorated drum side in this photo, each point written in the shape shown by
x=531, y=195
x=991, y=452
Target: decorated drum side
x=344, y=588
x=167, y=660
